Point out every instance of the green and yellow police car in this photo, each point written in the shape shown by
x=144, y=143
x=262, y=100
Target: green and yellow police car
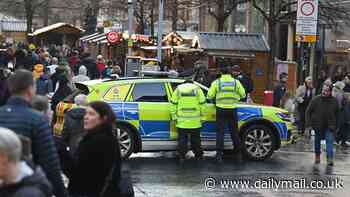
x=142, y=107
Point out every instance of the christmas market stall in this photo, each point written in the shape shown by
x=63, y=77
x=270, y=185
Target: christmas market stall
x=58, y=34
x=249, y=51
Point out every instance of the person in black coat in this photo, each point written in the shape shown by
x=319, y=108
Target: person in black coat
x=4, y=89
x=90, y=64
x=62, y=92
x=280, y=90
x=97, y=153
x=245, y=80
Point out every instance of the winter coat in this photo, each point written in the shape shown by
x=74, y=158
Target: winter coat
x=347, y=88
x=101, y=68
x=62, y=92
x=338, y=93
x=4, y=92
x=300, y=96
x=33, y=184
x=18, y=116
x=82, y=75
x=73, y=128
x=90, y=64
x=246, y=82
x=43, y=85
x=322, y=113
x=57, y=75
x=278, y=94
x=96, y=154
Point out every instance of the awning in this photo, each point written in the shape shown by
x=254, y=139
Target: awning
x=88, y=36
x=231, y=42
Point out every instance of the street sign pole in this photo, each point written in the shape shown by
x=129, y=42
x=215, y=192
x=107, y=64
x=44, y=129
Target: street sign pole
x=160, y=30
x=130, y=16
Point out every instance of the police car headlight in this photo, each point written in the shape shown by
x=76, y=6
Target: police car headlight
x=284, y=116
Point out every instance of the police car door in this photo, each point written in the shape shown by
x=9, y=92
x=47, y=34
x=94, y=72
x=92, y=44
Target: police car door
x=153, y=115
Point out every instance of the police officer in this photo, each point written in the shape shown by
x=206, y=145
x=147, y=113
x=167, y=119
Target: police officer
x=226, y=92
x=188, y=100
x=245, y=80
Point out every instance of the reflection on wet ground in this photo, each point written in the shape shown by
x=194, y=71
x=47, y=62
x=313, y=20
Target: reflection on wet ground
x=159, y=174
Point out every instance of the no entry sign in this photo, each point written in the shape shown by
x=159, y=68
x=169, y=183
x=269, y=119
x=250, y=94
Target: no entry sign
x=306, y=28
x=113, y=37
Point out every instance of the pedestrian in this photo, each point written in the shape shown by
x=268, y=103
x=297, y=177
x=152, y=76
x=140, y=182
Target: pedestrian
x=41, y=104
x=322, y=115
x=73, y=62
x=18, y=116
x=320, y=80
x=98, y=153
x=347, y=83
x=101, y=66
x=280, y=90
x=82, y=76
x=338, y=75
x=90, y=64
x=303, y=96
x=52, y=67
x=73, y=128
x=43, y=82
x=18, y=178
x=246, y=81
x=59, y=71
x=338, y=92
x=108, y=71
x=187, y=111
x=4, y=89
x=62, y=92
x=226, y=93
x=342, y=136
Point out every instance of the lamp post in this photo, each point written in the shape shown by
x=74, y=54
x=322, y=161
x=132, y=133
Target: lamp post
x=130, y=16
x=160, y=32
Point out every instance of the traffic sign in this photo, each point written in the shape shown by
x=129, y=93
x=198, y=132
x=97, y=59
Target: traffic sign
x=113, y=37
x=306, y=28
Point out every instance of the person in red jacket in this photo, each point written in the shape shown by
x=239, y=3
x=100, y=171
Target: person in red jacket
x=101, y=66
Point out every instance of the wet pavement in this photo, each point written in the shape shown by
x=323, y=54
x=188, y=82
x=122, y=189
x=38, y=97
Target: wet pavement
x=289, y=172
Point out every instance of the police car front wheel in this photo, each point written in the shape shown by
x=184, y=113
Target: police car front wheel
x=258, y=142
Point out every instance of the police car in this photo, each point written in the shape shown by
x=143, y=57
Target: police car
x=142, y=107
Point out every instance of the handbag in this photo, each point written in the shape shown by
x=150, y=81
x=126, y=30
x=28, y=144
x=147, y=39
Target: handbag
x=116, y=188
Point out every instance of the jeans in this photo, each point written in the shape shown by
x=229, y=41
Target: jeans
x=227, y=117
x=329, y=142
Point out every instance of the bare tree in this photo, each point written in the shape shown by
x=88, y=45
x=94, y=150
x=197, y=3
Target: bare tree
x=29, y=7
x=275, y=11
x=221, y=10
x=179, y=9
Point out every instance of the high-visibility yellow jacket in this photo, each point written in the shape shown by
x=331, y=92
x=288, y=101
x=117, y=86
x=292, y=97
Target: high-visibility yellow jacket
x=226, y=91
x=187, y=103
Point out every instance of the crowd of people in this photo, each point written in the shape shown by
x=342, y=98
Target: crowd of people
x=27, y=82
x=323, y=111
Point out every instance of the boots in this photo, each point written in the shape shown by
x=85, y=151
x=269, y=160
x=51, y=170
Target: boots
x=317, y=158
x=330, y=161
x=218, y=157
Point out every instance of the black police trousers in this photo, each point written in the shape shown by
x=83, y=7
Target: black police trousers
x=227, y=118
x=195, y=141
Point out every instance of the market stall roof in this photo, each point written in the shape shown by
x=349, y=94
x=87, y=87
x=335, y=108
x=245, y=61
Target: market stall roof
x=231, y=42
x=181, y=35
x=181, y=48
x=58, y=27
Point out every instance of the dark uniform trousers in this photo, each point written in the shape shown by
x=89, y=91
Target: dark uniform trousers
x=195, y=141
x=226, y=117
